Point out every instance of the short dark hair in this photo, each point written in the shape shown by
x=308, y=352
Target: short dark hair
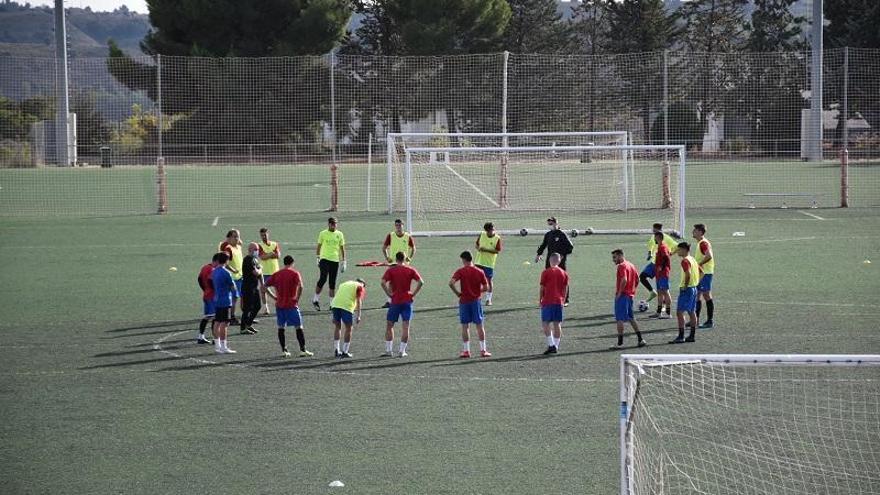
x=552, y=219
x=398, y=221
x=466, y=255
x=399, y=256
x=288, y=260
x=361, y=281
x=618, y=251
x=488, y=225
x=222, y=258
x=658, y=233
x=701, y=227
x=684, y=246
x=229, y=233
x=263, y=230
x=216, y=257
x=332, y=220
x=658, y=226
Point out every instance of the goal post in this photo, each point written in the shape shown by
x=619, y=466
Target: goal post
x=749, y=423
x=596, y=189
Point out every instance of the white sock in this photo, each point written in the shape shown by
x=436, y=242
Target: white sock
x=388, y=300
x=556, y=341
x=336, y=345
x=488, y=296
x=550, y=341
x=482, y=345
x=223, y=344
x=389, y=345
x=402, y=347
x=345, y=347
x=466, y=346
x=217, y=344
x=202, y=335
x=316, y=298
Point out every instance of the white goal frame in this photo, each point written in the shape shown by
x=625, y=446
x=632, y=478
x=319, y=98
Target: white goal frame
x=392, y=138
x=630, y=365
x=626, y=151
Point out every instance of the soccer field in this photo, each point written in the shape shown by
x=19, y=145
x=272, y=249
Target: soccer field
x=105, y=391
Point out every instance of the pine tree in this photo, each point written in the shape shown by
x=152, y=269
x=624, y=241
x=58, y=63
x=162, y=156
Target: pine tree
x=535, y=26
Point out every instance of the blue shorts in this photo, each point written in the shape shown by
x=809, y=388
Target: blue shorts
x=342, y=315
x=470, y=312
x=400, y=311
x=687, y=300
x=487, y=271
x=238, y=287
x=623, y=308
x=648, y=270
x=207, y=308
x=663, y=283
x=551, y=312
x=705, y=284
x=288, y=317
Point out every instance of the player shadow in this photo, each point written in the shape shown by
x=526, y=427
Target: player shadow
x=626, y=332
x=154, y=325
x=132, y=363
x=129, y=335
x=164, y=343
x=135, y=351
x=516, y=309
x=212, y=364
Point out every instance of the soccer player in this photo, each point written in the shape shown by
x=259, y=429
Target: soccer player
x=624, y=292
x=251, y=287
x=288, y=286
x=224, y=292
x=648, y=271
x=662, y=267
x=346, y=308
x=207, y=286
x=554, y=286
x=472, y=282
x=488, y=246
x=706, y=259
x=331, y=252
x=555, y=241
x=398, y=241
x=397, y=284
x=270, y=253
x=232, y=247
x=687, y=293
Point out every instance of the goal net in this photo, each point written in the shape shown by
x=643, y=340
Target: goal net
x=750, y=424
x=592, y=189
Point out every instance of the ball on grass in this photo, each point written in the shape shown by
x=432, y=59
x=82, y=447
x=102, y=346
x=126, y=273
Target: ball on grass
x=574, y=233
x=523, y=232
x=867, y=262
x=172, y=269
x=643, y=306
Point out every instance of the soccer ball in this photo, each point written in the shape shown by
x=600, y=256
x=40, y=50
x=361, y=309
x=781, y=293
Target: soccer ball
x=523, y=232
x=643, y=306
x=574, y=233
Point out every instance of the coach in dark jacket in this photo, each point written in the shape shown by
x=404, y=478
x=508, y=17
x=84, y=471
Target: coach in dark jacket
x=555, y=241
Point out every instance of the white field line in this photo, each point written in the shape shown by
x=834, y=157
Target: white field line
x=216, y=220
x=474, y=187
x=817, y=217
x=761, y=241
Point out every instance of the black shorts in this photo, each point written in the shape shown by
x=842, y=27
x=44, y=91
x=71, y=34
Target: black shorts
x=250, y=301
x=328, y=271
x=222, y=315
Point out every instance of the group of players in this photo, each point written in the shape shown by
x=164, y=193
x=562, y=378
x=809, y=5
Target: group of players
x=249, y=278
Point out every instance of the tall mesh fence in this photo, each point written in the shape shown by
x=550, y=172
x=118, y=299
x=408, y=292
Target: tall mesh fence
x=310, y=131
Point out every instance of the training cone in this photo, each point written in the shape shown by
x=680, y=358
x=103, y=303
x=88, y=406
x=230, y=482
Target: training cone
x=867, y=262
x=336, y=483
x=172, y=269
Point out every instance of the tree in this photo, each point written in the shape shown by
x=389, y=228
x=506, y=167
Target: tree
x=852, y=23
x=92, y=130
x=535, y=26
x=591, y=36
x=774, y=27
x=714, y=25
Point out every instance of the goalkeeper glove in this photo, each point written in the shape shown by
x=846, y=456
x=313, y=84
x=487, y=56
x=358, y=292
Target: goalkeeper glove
x=344, y=266
x=318, y=261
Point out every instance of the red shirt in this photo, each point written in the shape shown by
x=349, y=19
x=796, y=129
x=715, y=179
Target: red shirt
x=285, y=281
x=554, y=280
x=628, y=270
x=471, y=279
x=401, y=278
x=206, y=283
x=663, y=263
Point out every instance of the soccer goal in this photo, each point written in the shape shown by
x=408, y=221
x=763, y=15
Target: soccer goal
x=749, y=423
x=594, y=189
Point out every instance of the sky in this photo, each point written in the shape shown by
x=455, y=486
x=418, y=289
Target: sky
x=139, y=6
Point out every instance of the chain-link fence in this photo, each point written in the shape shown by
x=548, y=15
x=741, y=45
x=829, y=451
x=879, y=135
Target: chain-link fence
x=312, y=130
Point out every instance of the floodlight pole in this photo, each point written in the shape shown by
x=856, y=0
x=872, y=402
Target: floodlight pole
x=62, y=114
x=815, y=137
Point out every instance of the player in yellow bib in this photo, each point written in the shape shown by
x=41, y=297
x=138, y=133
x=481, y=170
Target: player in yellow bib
x=270, y=252
x=649, y=271
x=687, y=293
x=398, y=241
x=706, y=259
x=331, y=253
x=232, y=247
x=488, y=246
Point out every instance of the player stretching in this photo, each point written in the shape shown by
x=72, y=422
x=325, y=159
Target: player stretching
x=662, y=267
x=270, y=253
x=472, y=283
x=207, y=286
x=331, y=252
x=397, y=284
x=288, y=286
x=488, y=246
x=224, y=290
x=555, y=241
x=346, y=308
x=687, y=293
x=398, y=241
x=232, y=247
x=706, y=259
x=624, y=292
x=554, y=287
x=648, y=271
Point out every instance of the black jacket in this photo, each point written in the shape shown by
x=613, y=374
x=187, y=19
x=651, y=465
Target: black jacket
x=556, y=241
